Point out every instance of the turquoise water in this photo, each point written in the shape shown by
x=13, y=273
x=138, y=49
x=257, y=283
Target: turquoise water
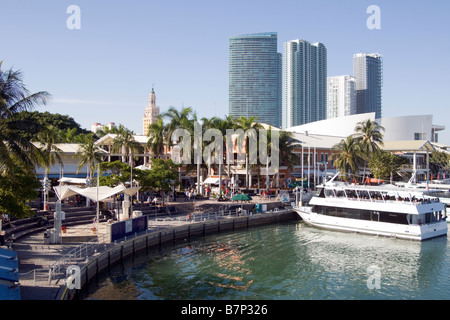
x=285, y=261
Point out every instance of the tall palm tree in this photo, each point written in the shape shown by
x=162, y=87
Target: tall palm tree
x=228, y=122
x=368, y=134
x=157, y=137
x=245, y=124
x=14, y=98
x=286, y=145
x=50, y=153
x=348, y=157
x=125, y=141
x=89, y=154
x=183, y=119
x=179, y=119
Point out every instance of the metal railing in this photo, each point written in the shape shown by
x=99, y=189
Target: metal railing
x=76, y=255
x=38, y=275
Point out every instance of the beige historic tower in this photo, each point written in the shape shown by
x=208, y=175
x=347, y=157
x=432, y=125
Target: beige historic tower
x=151, y=112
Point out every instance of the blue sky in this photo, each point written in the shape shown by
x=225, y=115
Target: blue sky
x=104, y=72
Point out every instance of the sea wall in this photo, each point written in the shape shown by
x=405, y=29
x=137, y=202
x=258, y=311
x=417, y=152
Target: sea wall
x=128, y=248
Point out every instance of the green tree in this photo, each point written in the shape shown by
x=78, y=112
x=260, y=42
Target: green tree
x=348, y=156
x=117, y=172
x=286, y=145
x=125, y=142
x=182, y=119
x=157, y=137
x=162, y=176
x=439, y=163
x=368, y=134
x=89, y=154
x=15, y=193
x=384, y=165
x=16, y=149
x=228, y=122
x=247, y=124
x=42, y=119
x=50, y=153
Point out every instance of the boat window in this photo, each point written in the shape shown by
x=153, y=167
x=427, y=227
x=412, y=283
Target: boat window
x=340, y=194
x=329, y=193
x=364, y=195
x=351, y=194
x=393, y=217
x=357, y=214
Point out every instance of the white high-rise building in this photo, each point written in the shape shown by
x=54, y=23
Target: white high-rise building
x=368, y=73
x=341, y=96
x=304, y=83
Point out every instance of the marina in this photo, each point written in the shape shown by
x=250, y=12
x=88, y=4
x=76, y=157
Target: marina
x=286, y=261
x=384, y=211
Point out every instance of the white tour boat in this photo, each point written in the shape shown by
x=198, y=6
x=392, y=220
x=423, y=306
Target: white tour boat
x=384, y=210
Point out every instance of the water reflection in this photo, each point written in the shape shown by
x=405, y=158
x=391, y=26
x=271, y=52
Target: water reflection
x=289, y=261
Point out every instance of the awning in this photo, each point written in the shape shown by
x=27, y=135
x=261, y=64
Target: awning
x=70, y=180
x=211, y=181
x=103, y=192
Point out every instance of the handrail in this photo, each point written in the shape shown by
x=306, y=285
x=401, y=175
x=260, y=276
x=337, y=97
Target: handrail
x=34, y=271
x=74, y=255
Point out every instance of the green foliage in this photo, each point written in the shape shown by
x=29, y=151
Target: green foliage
x=117, y=172
x=439, y=162
x=63, y=123
x=349, y=156
x=384, y=165
x=14, y=193
x=161, y=177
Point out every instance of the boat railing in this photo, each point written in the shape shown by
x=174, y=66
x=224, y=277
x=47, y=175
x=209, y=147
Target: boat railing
x=388, y=199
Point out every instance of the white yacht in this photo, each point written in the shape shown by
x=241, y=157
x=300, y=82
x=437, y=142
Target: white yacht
x=385, y=211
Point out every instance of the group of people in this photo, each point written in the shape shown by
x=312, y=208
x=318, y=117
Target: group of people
x=190, y=194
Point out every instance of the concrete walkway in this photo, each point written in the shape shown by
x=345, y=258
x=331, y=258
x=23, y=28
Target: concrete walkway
x=36, y=257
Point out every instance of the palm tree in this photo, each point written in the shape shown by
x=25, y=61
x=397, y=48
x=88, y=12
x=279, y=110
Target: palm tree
x=157, y=136
x=348, y=157
x=247, y=124
x=50, y=153
x=179, y=119
x=125, y=141
x=222, y=125
x=368, y=134
x=14, y=98
x=286, y=145
x=183, y=119
x=89, y=154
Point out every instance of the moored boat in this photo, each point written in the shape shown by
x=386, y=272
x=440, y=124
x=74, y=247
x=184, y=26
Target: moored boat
x=382, y=210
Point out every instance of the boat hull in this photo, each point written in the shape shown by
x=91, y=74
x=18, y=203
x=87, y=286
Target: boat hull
x=400, y=231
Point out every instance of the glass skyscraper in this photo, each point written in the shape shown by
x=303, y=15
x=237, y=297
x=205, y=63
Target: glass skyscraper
x=368, y=73
x=255, y=77
x=304, y=83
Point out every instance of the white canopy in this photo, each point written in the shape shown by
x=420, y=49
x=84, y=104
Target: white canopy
x=142, y=167
x=72, y=180
x=211, y=181
x=103, y=192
